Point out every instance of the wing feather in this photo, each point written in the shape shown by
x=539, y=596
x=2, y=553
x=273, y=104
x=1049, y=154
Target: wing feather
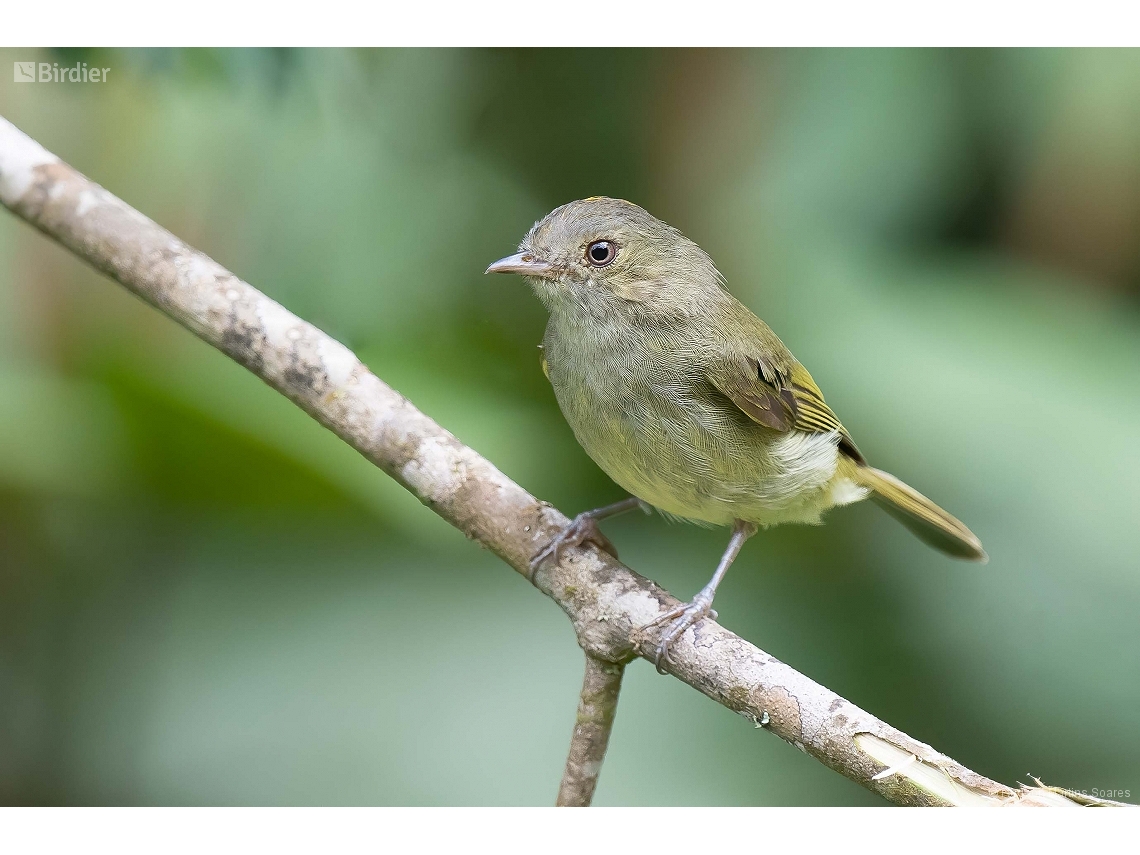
x=780, y=397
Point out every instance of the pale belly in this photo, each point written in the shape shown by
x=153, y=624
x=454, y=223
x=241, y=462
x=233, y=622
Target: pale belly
x=669, y=439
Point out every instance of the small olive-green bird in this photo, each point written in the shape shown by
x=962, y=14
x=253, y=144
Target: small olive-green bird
x=688, y=400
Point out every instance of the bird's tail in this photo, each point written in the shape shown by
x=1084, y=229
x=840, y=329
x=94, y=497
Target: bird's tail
x=929, y=522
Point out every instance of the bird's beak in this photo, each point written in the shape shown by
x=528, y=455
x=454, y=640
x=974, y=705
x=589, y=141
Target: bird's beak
x=524, y=264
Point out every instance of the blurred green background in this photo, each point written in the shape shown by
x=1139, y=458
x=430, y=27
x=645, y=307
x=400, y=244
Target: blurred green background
x=205, y=598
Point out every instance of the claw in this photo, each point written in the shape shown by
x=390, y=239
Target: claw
x=683, y=617
x=677, y=612
x=687, y=615
x=582, y=529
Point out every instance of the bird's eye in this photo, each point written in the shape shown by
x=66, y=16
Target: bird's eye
x=600, y=253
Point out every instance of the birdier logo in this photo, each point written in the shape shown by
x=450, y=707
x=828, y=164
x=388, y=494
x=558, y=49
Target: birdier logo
x=53, y=72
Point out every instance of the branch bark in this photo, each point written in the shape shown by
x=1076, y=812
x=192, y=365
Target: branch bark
x=606, y=602
x=597, y=706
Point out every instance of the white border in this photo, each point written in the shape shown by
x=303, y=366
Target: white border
x=569, y=23
x=507, y=831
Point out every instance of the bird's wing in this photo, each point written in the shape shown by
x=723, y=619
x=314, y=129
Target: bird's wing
x=779, y=395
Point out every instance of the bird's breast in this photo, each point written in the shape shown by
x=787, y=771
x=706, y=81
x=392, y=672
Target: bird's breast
x=640, y=406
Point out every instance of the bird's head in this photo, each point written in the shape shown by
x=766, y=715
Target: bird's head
x=610, y=257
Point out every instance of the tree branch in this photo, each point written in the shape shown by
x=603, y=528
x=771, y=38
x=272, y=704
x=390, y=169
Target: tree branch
x=606, y=602
x=597, y=706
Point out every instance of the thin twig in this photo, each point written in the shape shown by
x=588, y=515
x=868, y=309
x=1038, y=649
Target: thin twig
x=606, y=602
x=597, y=706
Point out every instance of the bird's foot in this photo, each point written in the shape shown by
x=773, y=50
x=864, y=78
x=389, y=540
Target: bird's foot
x=582, y=529
x=682, y=618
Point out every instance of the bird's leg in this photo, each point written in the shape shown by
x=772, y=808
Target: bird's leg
x=584, y=529
x=685, y=616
